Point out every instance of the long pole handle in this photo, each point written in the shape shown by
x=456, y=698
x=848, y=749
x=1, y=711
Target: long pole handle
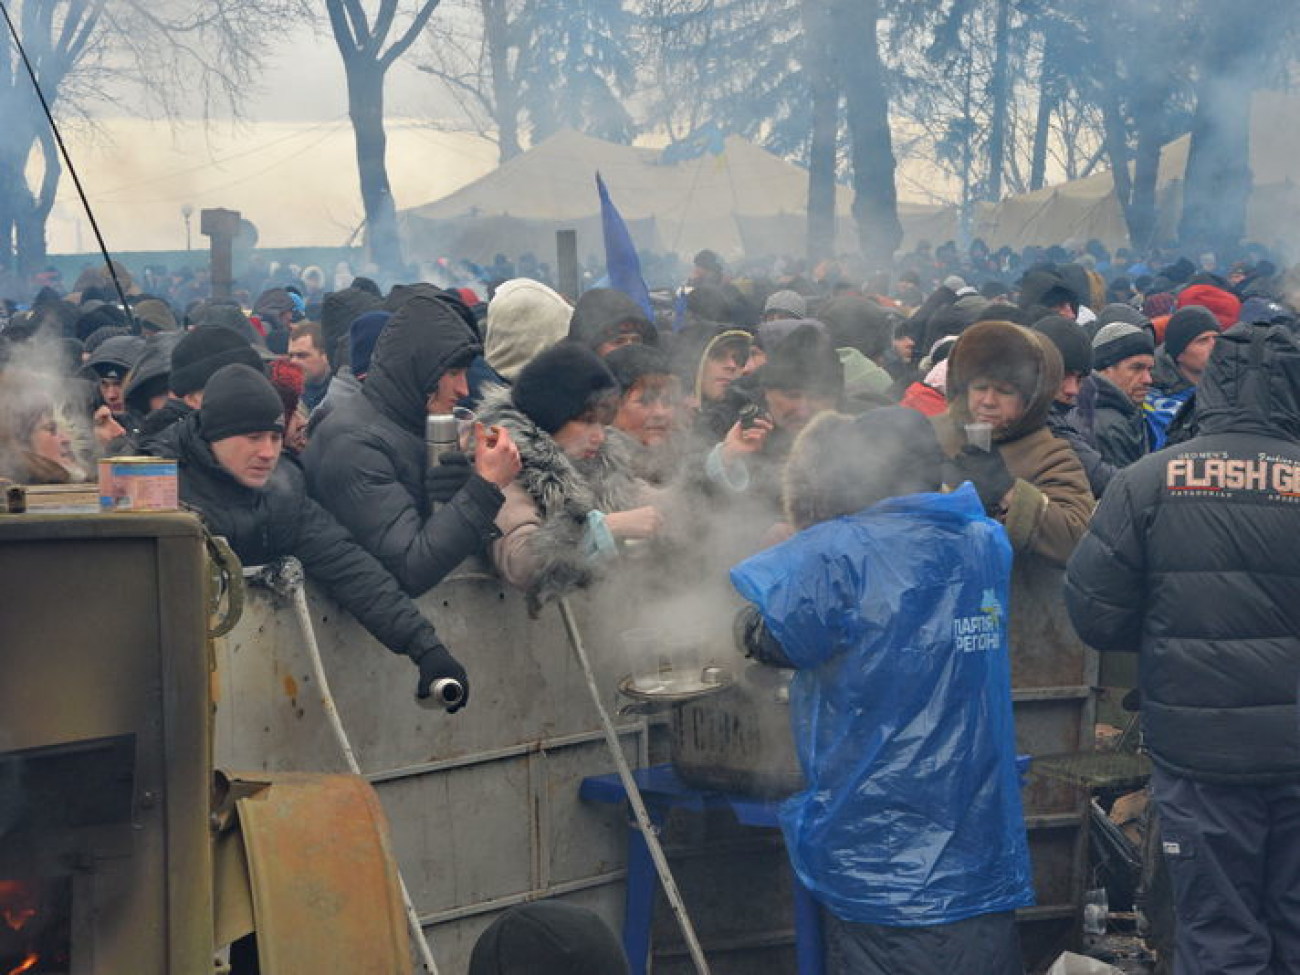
x=634, y=795
x=350, y=757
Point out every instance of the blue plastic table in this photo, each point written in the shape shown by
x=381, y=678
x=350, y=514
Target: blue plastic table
x=663, y=791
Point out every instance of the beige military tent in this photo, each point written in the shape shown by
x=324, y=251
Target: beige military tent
x=740, y=201
x=1086, y=208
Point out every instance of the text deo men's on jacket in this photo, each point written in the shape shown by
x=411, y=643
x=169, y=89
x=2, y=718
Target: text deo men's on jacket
x=1192, y=561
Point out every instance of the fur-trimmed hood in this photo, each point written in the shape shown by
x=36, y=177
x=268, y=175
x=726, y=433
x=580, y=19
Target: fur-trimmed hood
x=560, y=494
x=554, y=482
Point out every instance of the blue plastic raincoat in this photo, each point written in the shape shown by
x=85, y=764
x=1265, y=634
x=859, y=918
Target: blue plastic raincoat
x=901, y=710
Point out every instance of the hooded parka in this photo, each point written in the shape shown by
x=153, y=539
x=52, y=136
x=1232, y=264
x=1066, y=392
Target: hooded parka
x=600, y=315
x=366, y=461
x=1191, y=562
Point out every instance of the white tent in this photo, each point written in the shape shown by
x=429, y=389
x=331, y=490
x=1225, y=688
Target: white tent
x=1086, y=208
x=740, y=201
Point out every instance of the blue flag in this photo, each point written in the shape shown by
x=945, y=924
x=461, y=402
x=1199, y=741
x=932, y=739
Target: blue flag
x=622, y=266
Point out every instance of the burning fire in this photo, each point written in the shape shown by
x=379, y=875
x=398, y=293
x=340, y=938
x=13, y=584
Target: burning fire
x=18, y=903
x=17, y=906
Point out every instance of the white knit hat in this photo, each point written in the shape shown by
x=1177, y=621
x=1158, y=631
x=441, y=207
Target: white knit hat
x=523, y=318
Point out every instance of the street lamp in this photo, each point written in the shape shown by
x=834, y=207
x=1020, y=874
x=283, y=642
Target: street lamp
x=187, y=211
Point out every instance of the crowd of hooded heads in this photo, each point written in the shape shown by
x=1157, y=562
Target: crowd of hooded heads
x=709, y=385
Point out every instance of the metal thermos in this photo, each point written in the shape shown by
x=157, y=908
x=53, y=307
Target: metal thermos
x=445, y=693
x=441, y=435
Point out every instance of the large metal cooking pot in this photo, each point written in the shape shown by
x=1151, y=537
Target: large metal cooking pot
x=738, y=740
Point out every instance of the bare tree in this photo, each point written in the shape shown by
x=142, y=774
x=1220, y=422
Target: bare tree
x=474, y=52
x=823, y=149
x=366, y=62
x=174, y=56
x=734, y=65
x=855, y=36
x=539, y=65
x=1236, y=54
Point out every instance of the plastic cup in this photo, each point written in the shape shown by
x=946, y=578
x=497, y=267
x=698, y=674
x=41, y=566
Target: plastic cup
x=980, y=435
x=465, y=419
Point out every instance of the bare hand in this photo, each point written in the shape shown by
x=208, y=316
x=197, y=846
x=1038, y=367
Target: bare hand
x=496, y=458
x=742, y=440
x=107, y=429
x=644, y=522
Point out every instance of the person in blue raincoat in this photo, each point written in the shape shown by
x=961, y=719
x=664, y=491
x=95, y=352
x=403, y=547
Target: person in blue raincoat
x=891, y=601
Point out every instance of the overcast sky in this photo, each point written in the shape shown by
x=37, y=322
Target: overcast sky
x=291, y=169
x=306, y=83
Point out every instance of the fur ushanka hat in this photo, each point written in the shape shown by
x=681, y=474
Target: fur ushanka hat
x=1008, y=353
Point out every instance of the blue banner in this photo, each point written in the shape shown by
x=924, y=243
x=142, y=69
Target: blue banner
x=622, y=266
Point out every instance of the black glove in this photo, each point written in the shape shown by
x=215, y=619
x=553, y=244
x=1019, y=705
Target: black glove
x=755, y=640
x=988, y=472
x=437, y=664
x=450, y=475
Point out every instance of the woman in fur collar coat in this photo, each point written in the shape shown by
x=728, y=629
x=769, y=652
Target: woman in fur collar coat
x=576, y=496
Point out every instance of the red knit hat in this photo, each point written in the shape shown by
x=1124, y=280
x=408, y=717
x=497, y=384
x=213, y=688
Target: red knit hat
x=1224, y=305
x=288, y=380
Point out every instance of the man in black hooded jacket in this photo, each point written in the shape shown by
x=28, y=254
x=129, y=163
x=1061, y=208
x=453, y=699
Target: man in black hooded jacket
x=1191, y=561
x=605, y=318
x=367, y=462
x=227, y=453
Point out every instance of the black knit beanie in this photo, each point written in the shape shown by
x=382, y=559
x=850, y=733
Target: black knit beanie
x=561, y=384
x=548, y=938
x=202, y=352
x=1071, y=340
x=102, y=316
x=630, y=363
x=239, y=399
x=1187, y=324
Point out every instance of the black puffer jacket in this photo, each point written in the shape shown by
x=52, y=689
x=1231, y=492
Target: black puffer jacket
x=366, y=461
x=1113, y=422
x=1191, y=561
x=173, y=411
x=280, y=520
x=1060, y=422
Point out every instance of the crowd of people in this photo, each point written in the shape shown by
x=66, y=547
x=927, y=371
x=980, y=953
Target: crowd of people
x=1009, y=393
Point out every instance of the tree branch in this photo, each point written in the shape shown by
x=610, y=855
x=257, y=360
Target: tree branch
x=412, y=32
x=365, y=37
x=342, y=30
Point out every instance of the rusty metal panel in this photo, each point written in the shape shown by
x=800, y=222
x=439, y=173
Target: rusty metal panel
x=483, y=804
x=325, y=891
x=463, y=835
x=584, y=837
